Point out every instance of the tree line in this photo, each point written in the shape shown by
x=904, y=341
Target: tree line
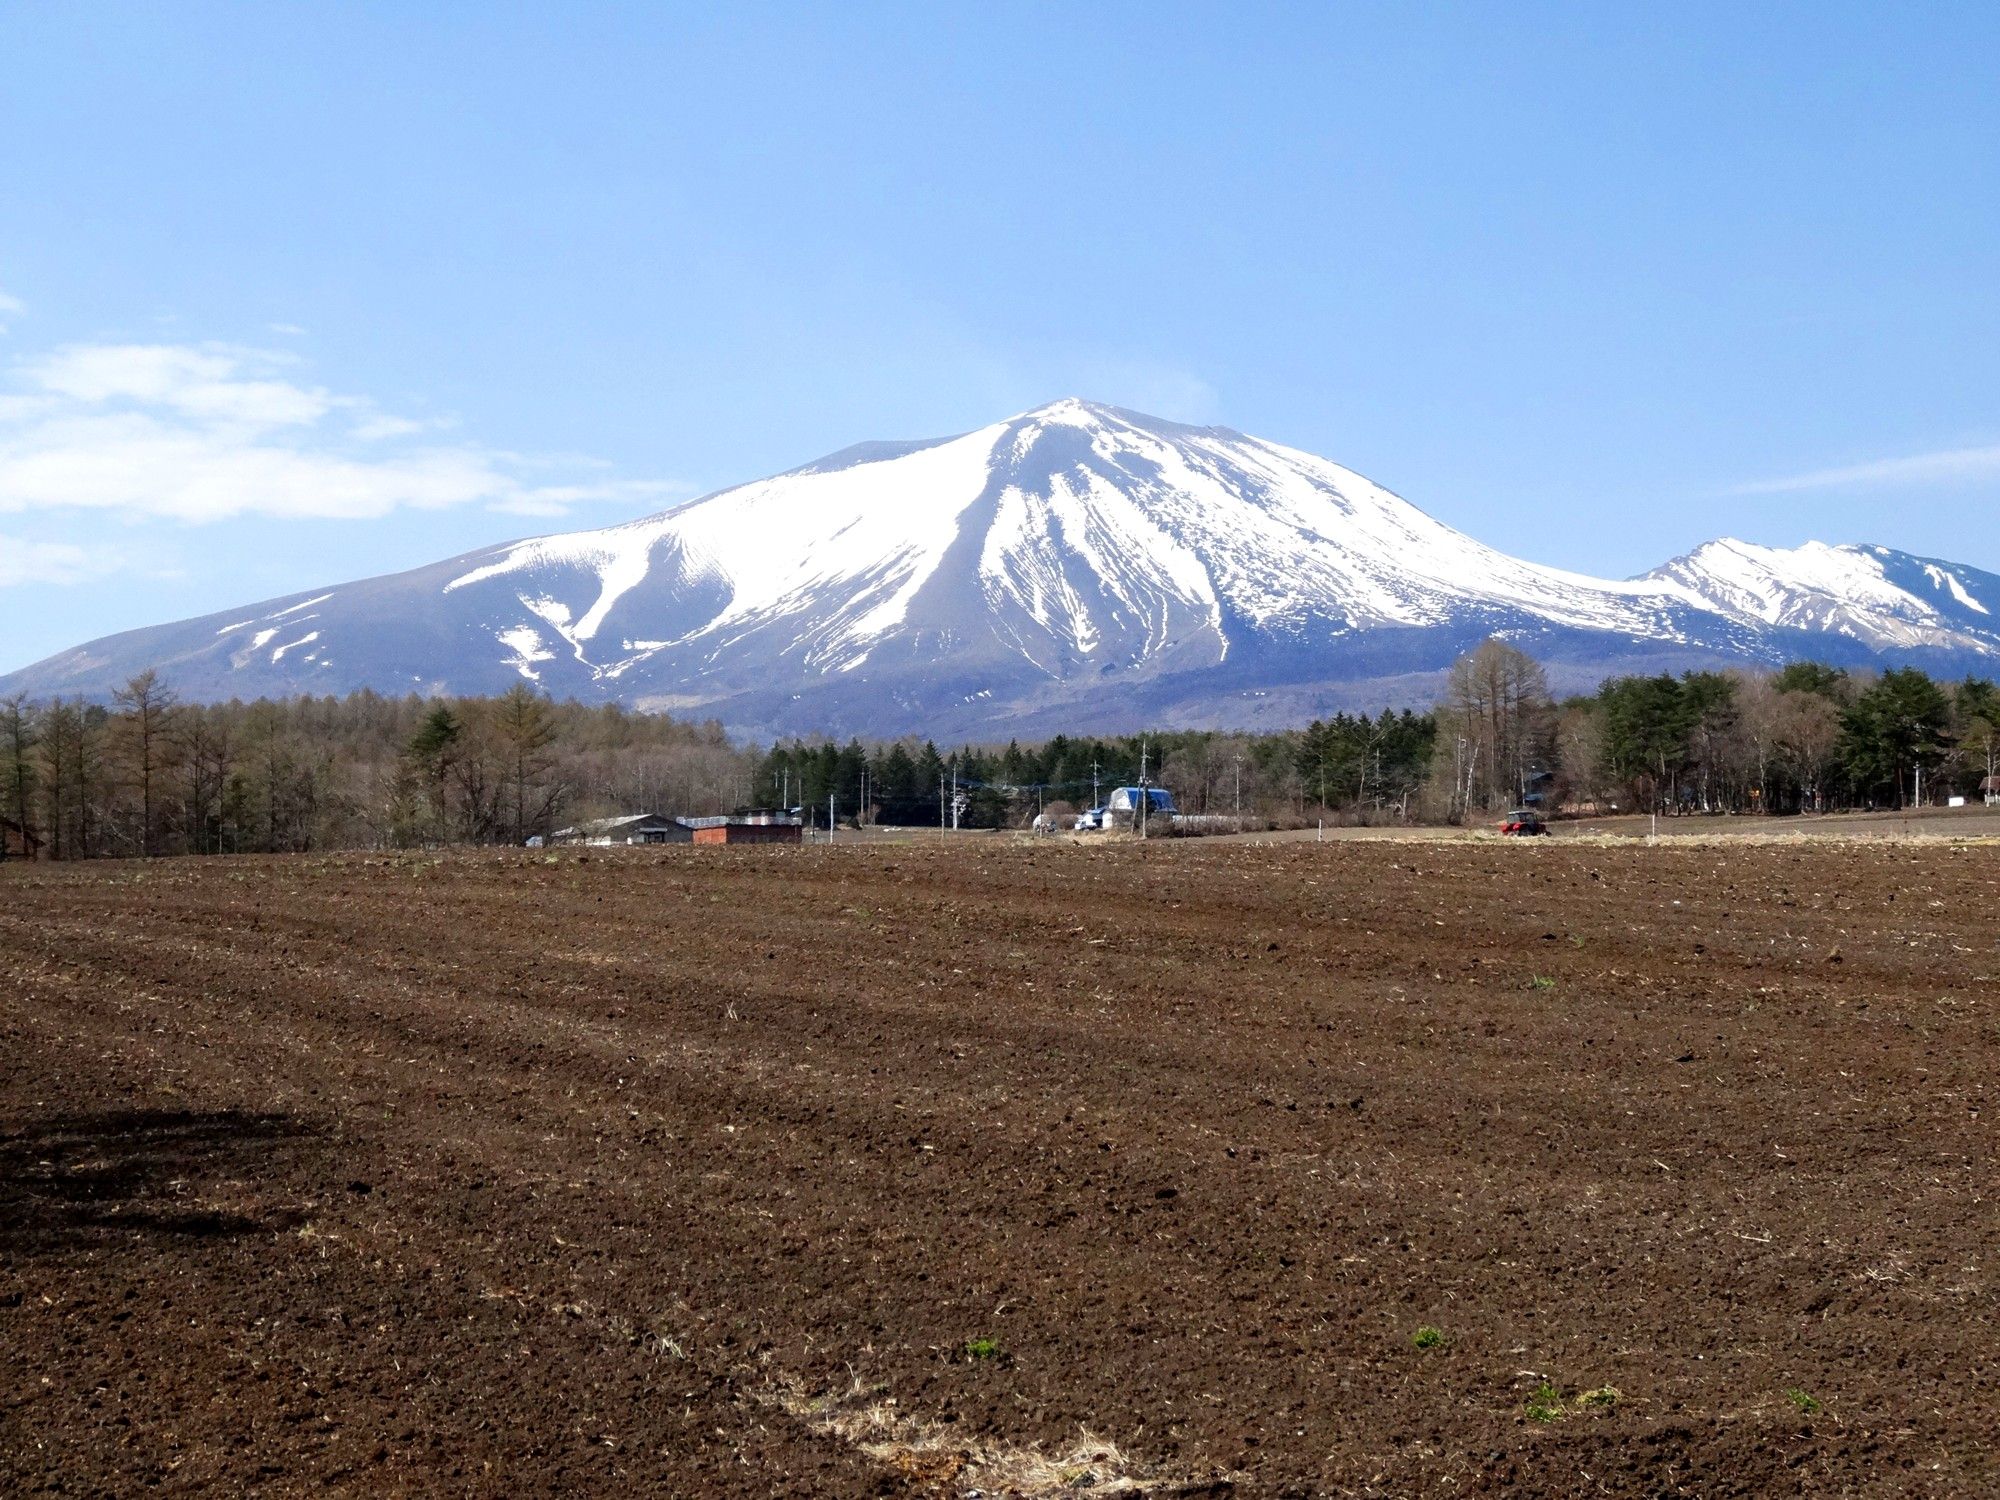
x=1803, y=738
x=1346, y=761
x=148, y=774
x=1807, y=738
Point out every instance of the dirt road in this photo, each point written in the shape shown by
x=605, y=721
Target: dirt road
x=890, y=1170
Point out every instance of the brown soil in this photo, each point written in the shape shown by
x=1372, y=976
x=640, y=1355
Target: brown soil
x=695, y=1172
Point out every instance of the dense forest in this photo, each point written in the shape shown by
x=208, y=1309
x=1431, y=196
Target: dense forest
x=147, y=774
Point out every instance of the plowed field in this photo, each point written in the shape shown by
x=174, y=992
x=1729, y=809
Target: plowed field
x=894, y=1170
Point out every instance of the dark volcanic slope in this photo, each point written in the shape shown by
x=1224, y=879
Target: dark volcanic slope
x=512, y=1175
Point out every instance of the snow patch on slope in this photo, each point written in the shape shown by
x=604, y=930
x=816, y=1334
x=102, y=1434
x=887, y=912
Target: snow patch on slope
x=525, y=650
x=1947, y=580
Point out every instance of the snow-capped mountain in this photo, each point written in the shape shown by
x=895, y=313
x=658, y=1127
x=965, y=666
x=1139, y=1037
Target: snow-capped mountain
x=1878, y=597
x=1077, y=566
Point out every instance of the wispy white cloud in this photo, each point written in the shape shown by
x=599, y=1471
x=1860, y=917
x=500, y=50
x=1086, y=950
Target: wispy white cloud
x=382, y=425
x=24, y=561
x=201, y=433
x=10, y=309
x=1947, y=466
x=212, y=384
x=556, y=499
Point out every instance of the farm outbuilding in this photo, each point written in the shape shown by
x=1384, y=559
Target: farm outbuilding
x=17, y=842
x=634, y=828
x=1127, y=799
x=754, y=826
x=747, y=828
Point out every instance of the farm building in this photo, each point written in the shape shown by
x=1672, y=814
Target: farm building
x=747, y=828
x=1126, y=799
x=1991, y=787
x=634, y=828
x=754, y=826
x=1125, y=805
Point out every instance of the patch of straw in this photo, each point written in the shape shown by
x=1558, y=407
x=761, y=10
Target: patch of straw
x=866, y=1418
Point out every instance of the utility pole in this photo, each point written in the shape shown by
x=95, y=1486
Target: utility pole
x=829, y=817
x=940, y=804
x=1095, y=800
x=1145, y=797
x=1239, y=792
x=954, y=794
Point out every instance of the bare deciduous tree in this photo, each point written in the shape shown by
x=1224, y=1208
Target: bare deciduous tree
x=146, y=709
x=1496, y=708
x=18, y=730
x=1807, y=735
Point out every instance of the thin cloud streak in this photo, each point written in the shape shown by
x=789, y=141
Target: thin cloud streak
x=1944, y=467
x=23, y=561
x=208, y=432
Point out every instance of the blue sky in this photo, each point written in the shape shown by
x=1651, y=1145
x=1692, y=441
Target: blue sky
x=294, y=294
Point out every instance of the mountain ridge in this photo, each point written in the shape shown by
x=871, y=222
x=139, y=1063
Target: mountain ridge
x=1077, y=565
